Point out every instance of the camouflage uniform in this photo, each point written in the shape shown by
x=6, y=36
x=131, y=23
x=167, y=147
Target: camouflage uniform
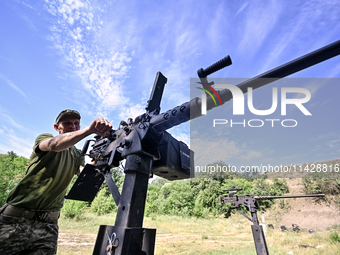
x=23, y=236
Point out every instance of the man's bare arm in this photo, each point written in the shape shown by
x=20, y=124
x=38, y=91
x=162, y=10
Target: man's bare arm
x=64, y=141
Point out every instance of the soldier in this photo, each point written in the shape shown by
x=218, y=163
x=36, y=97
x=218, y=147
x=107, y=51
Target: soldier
x=29, y=219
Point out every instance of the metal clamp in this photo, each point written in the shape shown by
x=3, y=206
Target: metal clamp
x=112, y=245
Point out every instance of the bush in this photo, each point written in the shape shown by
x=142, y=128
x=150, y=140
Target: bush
x=103, y=202
x=279, y=187
x=321, y=185
x=207, y=196
x=334, y=238
x=151, y=205
x=73, y=209
x=201, y=196
x=176, y=198
x=262, y=188
x=12, y=170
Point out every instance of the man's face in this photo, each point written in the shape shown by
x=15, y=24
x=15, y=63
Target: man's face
x=67, y=124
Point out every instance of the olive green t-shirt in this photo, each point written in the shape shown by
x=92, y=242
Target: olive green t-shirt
x=47, y=178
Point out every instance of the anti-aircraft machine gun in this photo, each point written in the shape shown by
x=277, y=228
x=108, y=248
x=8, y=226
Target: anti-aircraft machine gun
x=251, y=203
x=149, y=149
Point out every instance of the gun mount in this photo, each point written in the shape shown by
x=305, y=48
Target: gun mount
x=252, y=205
x=149, y=149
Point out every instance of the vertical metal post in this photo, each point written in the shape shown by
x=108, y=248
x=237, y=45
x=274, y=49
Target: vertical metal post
x=128, y=237
x=132, y=202
x=258, y=234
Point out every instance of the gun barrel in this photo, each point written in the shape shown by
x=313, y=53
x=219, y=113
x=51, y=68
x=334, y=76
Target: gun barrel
x=288, y=196
x=192, y=109
x=296, y=65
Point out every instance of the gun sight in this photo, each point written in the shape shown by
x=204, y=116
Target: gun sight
x=234, y=189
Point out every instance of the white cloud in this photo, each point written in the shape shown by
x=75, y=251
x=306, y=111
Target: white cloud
x=2, y=57
x=99, y=50
x=101, y=70
x=184, y=137
x=14, y=136
x=335, y=71
x=208, y=151
x=21, y=146
x=10, y=83
x=301, y=23
x=333, y=144
x=251, y=155
x=258, y=24
x=11, y=121
x=131, y=112
x=27, y=5
x=241, y=8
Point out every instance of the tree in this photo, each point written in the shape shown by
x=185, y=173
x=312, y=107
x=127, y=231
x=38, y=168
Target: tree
x=176, y=198
x=12, y=170
x=104, y=202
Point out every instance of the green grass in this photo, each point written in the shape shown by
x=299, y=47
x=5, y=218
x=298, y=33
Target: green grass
x=189, y=235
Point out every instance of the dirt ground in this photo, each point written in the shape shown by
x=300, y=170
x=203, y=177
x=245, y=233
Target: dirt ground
x=307, y=213
x=71, y=239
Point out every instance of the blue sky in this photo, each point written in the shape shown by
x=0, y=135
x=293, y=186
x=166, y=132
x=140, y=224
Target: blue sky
x=101, y=57
x=294, y=137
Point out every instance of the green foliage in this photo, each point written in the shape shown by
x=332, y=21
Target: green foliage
x=263, y=188
x=103, y=203
x=151, y=204
x=201, y=196
x=260, y=187
x=118, y=177
x=73, y=209
x=246, y=184
x=176, y=198
x=321, y=185
x=12, y=170
x=334, y=238
x=279, y=187
x=207, y=194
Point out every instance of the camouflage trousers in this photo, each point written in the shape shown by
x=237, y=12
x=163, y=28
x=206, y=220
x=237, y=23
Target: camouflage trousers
x=22, y=236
